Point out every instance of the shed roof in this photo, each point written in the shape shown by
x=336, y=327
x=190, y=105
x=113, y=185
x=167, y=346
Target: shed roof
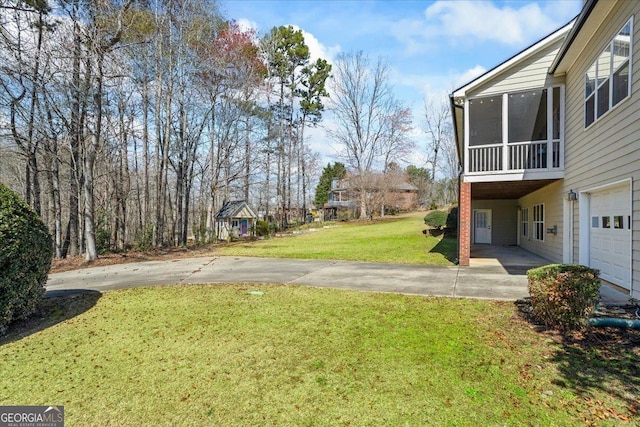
x=405, y=186
x=236, y=209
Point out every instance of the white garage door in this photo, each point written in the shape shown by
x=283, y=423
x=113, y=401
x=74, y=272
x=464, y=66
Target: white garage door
x=610, y=240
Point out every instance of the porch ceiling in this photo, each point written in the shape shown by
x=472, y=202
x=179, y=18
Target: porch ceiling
x=506, y=189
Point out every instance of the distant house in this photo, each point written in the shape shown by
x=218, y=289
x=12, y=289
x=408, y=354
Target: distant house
x=235, y=219
x=343, y=198
x=403, y=196
x=549, y=145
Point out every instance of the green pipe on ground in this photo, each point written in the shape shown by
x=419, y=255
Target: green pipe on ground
x=614, y=322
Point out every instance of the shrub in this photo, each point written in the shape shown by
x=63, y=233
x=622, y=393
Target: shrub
x=144, y=238
x=262, y=228
x=436, y=219
x=563, y=295
x=26, y=251
x=452, y=218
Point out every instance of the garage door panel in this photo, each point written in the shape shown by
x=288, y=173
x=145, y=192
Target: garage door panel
x=610, y=236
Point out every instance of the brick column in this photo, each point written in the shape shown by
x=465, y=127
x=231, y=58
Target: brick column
x=464, y=228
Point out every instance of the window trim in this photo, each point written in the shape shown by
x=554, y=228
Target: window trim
x=608, y=79
x=525, y=222
x=538, y=224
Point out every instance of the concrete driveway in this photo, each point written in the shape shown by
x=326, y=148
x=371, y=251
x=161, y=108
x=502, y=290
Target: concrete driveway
x=484, y=281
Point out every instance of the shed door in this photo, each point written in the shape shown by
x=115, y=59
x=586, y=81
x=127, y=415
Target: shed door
x=610, y=237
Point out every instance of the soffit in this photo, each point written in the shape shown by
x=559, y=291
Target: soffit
x=514, y=60
x=576, y=44
x=506, y=189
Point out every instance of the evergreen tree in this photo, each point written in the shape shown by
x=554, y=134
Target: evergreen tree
x=330, y=172
x=421, y=179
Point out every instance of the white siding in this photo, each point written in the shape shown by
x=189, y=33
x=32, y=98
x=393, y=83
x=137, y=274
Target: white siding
x=552, y=197
x=504, y=217
x=609, y=150
x=531, y=73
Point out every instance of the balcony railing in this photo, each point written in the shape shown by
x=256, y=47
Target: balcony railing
x=515, y=157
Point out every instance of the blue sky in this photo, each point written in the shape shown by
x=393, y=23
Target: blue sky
x=431, y=47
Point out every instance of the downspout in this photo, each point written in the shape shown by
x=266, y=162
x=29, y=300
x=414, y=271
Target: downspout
x=614, y=322
x=458, y=216
x=460, y=169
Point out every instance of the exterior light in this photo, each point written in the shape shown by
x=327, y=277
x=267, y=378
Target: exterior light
x=572, y=196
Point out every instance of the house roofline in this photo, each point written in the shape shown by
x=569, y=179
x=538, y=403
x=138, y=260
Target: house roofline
x=580, y=20
x=456, y=129
x=540, y=44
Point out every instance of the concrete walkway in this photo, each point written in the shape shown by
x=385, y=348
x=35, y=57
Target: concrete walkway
x=487, y=281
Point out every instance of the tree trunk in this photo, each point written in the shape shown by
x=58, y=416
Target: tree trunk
x=70, y=246
x=145, y=155
x=91, y=251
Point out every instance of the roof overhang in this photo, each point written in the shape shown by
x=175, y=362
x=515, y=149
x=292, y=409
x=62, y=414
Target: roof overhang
x=457, y=98
x=590, y=18
x=506, y=190
x=457, y=115
x=514, y=60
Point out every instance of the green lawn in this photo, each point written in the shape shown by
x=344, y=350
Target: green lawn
x=258, y=355
x=394, y=240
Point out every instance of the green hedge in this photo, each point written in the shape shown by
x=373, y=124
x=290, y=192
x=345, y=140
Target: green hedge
x=563, y=295
x=262, y=228
x=436, y=219
x=26, y=251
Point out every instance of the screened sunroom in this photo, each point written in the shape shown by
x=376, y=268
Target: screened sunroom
x=516, y=135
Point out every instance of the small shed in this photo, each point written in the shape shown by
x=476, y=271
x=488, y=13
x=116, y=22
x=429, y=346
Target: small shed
x=235, y=219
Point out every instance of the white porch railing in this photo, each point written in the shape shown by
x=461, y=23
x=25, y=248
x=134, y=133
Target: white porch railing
x=514, y=157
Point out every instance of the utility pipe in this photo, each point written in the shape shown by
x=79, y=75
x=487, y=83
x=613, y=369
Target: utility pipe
x=614, y=322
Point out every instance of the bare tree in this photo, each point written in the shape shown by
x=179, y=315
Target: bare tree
x=371, y=124
x=125, y=121
x=439, y=140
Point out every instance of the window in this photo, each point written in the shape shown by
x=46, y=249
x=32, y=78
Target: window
x=595, y=222
x=607, y=80
x=556, y=113
x=606, y=222
x=527, y=112
x=618, y=221
x=485, y=121
x=525, y=222
x=538, y=222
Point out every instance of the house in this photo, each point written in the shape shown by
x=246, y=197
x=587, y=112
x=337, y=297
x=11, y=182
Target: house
x=343, y=197
x=549, y=146
x=235, y=219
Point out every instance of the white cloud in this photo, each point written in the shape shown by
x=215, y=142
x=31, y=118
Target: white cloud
x=446, y=23
x=485, y=21
x=469, y=75
x=317, y=49
x=247, y=25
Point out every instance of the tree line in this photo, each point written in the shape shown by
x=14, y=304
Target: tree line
x=133, y=121
x=129, y=122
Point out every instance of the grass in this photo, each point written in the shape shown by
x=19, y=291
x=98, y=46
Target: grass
x=245, y=355
x=394, y=240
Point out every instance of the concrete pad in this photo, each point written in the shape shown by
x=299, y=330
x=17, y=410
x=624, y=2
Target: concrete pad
x=127, y=275
x=491, y=283
x=493, y=255
x=611, y=296
x=384, y=278
x=255, y=270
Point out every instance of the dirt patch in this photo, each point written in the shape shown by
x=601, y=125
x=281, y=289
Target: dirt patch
x=623, y=339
